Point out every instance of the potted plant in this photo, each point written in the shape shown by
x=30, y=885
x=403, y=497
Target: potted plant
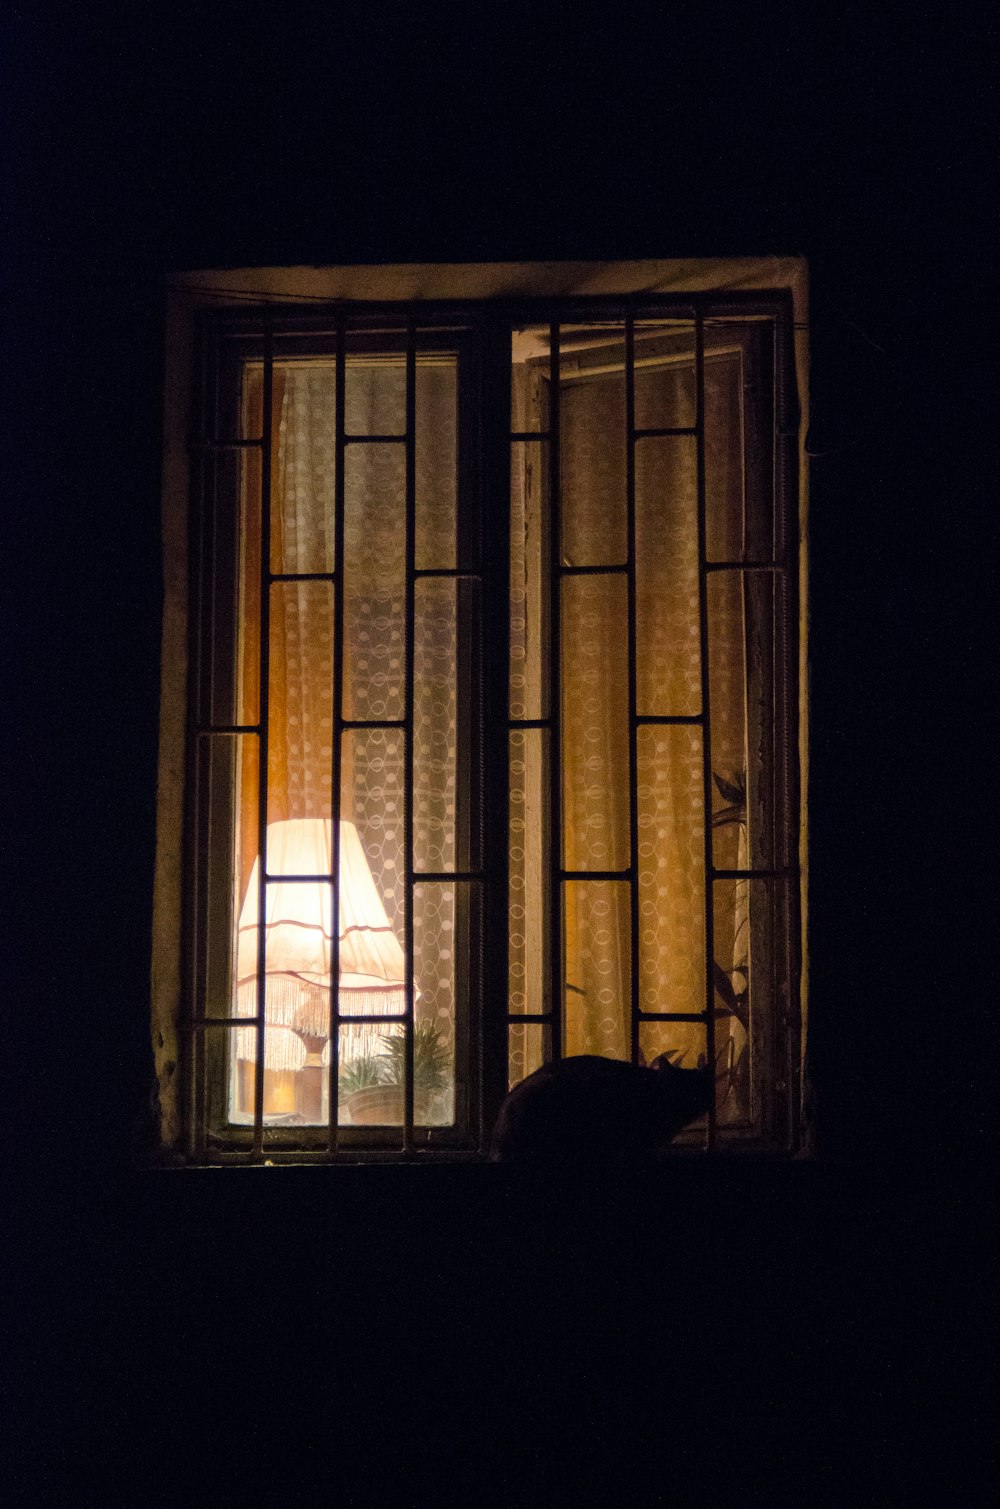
x=357, y=1077
x=380, y=1102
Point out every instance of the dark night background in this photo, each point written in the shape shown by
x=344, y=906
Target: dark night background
x=817, y=1329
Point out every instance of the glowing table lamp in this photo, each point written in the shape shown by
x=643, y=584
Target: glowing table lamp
x=298, y=952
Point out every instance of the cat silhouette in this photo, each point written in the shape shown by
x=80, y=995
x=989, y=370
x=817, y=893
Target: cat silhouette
x=589, y=1109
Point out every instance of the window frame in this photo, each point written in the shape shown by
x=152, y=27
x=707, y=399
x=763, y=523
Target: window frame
x=490, y=319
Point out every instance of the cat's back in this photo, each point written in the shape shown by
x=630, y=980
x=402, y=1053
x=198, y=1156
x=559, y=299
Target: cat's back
x=584, y=1108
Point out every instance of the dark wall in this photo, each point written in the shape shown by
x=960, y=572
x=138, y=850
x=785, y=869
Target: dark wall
x=411, y=134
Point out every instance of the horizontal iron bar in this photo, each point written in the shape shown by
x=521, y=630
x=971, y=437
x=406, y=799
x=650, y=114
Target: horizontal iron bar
x=354, y=1019
x=529, y=722
x=788, y=873
x=439, y=877
x=654, y=720
x=300, y=576
x=225, y=445
x=375, y=439
x=228, y=728
x=373, y=722
x=672, y=1016
x=573, y=875
x=199, y=1023
x=746, y=566
x=297, y=879
x=593, y=570
x=529, y=1018
x=453, y=572
x=665, y=433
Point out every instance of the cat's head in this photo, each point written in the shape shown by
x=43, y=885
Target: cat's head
x=687, y=1092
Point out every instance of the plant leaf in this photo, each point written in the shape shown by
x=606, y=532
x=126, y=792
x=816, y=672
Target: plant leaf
x=723, y=985
x=734, y=790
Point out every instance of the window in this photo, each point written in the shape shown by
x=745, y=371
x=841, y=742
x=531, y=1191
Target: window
x=492, y=747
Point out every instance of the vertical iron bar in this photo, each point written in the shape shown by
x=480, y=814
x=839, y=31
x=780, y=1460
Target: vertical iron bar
x=333, y=1091
x=556, y=944
x=789, y=629
x=262, y=764
x=493, y=498
x=411, y=562
x=197, y=903
x=633, y=695
x=706, y=732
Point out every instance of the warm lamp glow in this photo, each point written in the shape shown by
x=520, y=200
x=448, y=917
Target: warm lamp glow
x=298, y=946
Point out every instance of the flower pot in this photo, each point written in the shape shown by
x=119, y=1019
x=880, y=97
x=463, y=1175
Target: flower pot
x=382, y=1106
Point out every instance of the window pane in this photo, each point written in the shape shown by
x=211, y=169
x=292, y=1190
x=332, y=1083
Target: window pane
x=373, y=966
x=246, y=708
x=528, y=1049
x=228, y=845
x=684, y=1043
x=302, y=487
x=529, y=578
x=727, y=691
x=668, y=657
x=293, y=1078
x=595, y=723
x=598, y=952
x=224, y=698
x=369, y=1092
x=671, y=869
x=664, y=374
x=724, y=459
x=752, y=952
x=300, y=701
x=529, y=379
x=593, y=446
x=374, y=801
x=375, y=395
x=740, y=442
x=528, y=909
x=374, y=582
x=230, y=1057
x=435, y=723
x=436, y=461
x=440, y=937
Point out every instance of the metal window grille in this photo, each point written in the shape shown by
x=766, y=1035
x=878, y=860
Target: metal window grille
x=764, y=566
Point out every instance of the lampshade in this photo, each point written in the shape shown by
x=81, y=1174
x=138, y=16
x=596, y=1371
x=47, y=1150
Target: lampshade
x=298, y=942
x=283, y=1048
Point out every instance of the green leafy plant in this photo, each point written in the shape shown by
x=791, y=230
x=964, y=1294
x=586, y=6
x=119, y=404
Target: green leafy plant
x=362, y=1073
x=732, y=986
x=431, y=1059
x=733, y=790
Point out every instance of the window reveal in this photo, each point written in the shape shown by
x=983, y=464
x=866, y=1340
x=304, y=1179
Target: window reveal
x=650, y=680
